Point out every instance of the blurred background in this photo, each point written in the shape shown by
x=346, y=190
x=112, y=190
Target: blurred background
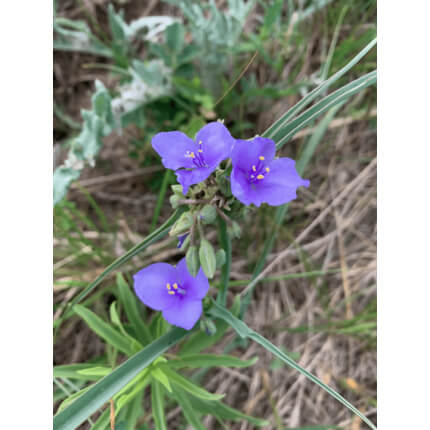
x=127, y=69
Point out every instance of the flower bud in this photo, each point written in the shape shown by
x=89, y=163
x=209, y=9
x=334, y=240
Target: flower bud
x=192, y=260
x=177, y=189
x=207, y=258
x=182, y=225
x=208, y=214
x=174, y=200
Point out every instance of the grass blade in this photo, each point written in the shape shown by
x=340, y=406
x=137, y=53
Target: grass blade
x=277, y=125
x=209, y=360
x=245, y=332
x=160, y=200
x=128, y=300
x=157, y=403
x=102, y=391
x=338, y=96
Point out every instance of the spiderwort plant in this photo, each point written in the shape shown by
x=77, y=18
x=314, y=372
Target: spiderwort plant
x=173, y=291
x=194, y=160
x=257, y=177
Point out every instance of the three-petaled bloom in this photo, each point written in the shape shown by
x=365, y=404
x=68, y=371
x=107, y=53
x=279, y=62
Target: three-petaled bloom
x=192, y=160
x=173, y=291
x=257, y=177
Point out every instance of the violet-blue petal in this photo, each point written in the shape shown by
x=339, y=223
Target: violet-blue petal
x=246, y=153
x=150, y=285
x=244, y=191
x=196, y=287
x=172, y=147
x=183, y=313
x=217, y=142
x=190, y=177
x=181, y=239
x=278, y=186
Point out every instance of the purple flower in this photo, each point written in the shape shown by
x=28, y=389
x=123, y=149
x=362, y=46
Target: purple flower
x=173, y=291
x=257, y=177
x=195, y=160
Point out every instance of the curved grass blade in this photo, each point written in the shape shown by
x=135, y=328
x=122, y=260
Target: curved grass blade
x=128, y=300
x=151, y=238
x=189, y=412
x=106, y=388
x=277, y=125
x=209, y=360
x=244, y=331
x=338, y=96
x=225, y=242
x=157, y=404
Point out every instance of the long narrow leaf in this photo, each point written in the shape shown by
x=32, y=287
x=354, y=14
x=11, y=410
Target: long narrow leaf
x=245, y=332
x=106, y=388
x=157, y=403
x=338, y=96
x=274, y=128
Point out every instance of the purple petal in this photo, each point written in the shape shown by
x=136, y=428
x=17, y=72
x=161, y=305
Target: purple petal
x=190, y=177
x=197, y=287
x=242, y=189
x=246, y=153
x=183, y=313
x=217, y=143
x=278, y=186
x=150, y=285
x=172, y=147
x=181, y=239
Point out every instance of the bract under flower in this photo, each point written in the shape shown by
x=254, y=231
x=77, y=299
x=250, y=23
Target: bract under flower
x=192, y=160
x=257, y=177
x=173, y=291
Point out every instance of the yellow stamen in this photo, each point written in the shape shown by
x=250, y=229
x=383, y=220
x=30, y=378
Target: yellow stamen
x=192, y=155
x=267, y=170
x=261, y=157
x=171, y=292
x=168, y=286
x=175, y=286
x=200, y=150
x=200, y=142
x=260, y=177
x=254, y=169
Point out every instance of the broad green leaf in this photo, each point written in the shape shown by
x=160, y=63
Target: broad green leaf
x=209, y=360
x=105, y=330
x=244, y=331
x=130, y=304
x=100, y=393
x=207, y=258
x=177, y=379
x=225, y=242
x=157, y=403
x=175, y=35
